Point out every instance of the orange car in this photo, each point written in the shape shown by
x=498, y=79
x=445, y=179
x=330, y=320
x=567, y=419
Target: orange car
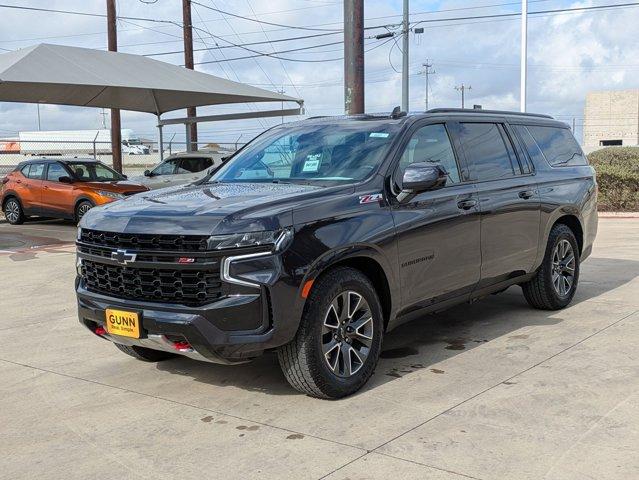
x=61, y=188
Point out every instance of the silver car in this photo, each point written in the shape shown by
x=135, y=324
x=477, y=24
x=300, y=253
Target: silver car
x=181, y=168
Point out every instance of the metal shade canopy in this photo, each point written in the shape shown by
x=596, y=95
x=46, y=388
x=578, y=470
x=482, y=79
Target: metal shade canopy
x=85, y=77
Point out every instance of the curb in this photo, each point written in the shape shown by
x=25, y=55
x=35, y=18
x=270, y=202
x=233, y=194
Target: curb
x=618, y=214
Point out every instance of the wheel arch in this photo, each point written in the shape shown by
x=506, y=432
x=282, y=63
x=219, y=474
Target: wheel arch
x=368, y=261
x=10, y=194
x=572, y=222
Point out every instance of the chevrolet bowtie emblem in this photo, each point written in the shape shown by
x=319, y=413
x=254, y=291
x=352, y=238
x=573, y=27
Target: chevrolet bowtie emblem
x=123, y=257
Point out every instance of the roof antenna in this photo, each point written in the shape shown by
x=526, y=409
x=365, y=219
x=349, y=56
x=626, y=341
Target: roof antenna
x=397, y=112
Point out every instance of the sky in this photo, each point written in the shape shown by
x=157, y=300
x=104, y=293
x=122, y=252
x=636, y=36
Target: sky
x=569, y=54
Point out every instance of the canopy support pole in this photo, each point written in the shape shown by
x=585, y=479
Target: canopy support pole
x=161, y=138
x=189, y=140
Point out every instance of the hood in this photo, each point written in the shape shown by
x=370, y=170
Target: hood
x=203, y=209
x=120, y=186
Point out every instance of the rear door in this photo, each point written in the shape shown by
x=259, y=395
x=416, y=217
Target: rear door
x=57, y=197
x=508, y=199
x=437, y=231
x=30, y=188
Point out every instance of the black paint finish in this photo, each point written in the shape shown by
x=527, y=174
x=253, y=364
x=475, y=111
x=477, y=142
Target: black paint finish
x=425, y=253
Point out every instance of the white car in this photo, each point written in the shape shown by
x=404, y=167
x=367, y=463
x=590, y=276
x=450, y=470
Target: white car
x=180, y=169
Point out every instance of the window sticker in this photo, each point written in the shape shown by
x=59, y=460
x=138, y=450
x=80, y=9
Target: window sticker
x=379, y=135
x=312, y=163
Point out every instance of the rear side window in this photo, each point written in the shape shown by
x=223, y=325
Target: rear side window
x=33, y=170
x=194, y=165
x=558, y=146
x=486, y=150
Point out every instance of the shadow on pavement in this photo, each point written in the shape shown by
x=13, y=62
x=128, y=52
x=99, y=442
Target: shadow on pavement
x=427, y=341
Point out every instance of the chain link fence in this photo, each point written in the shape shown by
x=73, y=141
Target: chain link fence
x=135, y=157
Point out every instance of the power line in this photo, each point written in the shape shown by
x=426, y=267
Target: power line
x=263, y=22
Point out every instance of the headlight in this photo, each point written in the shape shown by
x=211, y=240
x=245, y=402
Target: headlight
x=279, y=239
x=114, y=195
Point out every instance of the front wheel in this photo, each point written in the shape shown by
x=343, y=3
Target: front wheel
x=339, y=339
x=555, y=283
x=83, y=207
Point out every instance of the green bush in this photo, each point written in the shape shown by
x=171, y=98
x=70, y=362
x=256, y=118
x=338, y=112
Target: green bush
x=618, y=178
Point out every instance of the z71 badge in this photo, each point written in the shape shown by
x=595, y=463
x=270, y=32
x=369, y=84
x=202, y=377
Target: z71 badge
x=372, y=198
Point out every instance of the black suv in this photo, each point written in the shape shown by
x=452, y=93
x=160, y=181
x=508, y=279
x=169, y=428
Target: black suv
x=320, y=236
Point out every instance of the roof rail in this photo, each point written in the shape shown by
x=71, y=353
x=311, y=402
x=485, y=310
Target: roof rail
x=477, y=111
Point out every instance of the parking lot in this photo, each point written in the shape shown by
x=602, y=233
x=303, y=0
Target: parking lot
x=492, y=390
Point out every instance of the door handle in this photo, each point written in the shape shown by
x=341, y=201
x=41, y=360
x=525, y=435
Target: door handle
x=526, y=194
x=466, y=204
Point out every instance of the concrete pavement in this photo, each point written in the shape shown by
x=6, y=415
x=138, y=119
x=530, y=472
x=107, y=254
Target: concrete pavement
x=493, y=390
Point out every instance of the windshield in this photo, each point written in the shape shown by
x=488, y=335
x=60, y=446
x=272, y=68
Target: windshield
x=341, y=152
x=93, y=172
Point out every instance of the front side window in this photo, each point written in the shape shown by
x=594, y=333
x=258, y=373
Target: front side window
x=93, y=172
x=486, y=151
x=166, y=168
x=558, y=146
x=194, y=165
x=430, y=144
x=55, y=171
x=334, y=153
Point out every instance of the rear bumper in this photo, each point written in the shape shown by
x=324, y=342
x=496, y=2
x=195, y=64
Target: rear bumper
x=210, y=330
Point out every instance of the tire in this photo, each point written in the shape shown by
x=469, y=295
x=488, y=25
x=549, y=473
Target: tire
x=144, y=354
x=13, y=211
x=336, y=348
x=82, y=208
x=544, y=291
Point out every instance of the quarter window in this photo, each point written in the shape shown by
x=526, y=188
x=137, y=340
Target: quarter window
x=558, y=146
x=486, y=150
x=431, y=144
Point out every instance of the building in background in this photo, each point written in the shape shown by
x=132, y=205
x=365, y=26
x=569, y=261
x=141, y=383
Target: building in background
x=611, y=118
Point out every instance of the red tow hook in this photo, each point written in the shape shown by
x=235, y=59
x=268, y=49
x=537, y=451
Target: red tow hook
x=99, y=330
x=182, y=346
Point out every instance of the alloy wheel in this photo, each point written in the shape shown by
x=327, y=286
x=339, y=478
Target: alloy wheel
x=563, y=267
x=12, y=211
x=83, y=209
x=347, y=333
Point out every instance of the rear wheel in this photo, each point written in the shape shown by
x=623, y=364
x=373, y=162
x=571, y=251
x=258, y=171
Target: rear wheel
x=144, y=354
x=13, y=211
x=83, y=207
x=339, y=339
x=555, y=283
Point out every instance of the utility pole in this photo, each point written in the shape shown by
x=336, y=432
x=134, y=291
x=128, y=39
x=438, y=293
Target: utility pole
x=463, y=89
x=281, y=91
x=103, y=115
x=116, y=125
x=405, y=84
x=191, y=128
x=427, y=71
x=353, y=56
x=524, y=53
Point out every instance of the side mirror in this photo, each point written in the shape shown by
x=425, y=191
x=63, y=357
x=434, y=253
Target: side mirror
x=65, y=179
x=147, y=173
x=421, y=177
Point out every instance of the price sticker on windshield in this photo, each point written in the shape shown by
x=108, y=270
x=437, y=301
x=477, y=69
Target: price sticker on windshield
x=312, y=163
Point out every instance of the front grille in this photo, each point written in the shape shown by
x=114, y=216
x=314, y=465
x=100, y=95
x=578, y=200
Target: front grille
x=145, y=241
x=170, y=285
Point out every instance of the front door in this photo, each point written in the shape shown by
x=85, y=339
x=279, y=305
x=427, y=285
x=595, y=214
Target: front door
x=437, y=231
x=508, y=199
